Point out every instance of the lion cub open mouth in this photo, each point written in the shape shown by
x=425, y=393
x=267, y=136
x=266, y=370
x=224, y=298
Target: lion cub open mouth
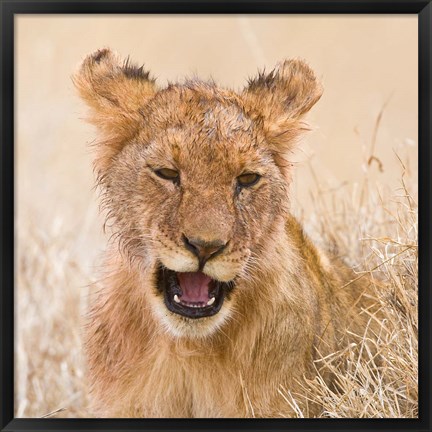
x=192, y=294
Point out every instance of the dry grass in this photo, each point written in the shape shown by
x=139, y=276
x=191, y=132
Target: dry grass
x=51, y=303
x=373, y=228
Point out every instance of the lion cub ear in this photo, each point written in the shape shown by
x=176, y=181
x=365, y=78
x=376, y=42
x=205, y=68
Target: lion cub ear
x=279, y=100
x=115, y=91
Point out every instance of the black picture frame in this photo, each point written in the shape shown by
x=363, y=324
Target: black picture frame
x=9, y=8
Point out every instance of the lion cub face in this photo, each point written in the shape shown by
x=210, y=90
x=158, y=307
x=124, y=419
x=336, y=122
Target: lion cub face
x=203, y=195
x=195, y=178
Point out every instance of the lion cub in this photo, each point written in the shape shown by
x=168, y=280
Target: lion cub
x=213, y=298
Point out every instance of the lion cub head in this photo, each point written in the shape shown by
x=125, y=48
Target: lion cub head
x=195, y=179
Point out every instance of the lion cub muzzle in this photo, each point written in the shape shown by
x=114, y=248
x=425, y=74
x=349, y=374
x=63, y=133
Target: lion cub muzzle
x=194, y=294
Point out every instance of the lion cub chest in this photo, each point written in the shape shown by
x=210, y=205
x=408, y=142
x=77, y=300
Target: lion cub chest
x=184, y=383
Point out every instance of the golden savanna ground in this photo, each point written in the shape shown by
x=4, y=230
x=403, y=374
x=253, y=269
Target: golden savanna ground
x=354, y=189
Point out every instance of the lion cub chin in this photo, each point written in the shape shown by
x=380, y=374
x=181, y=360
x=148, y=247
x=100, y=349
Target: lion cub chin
x=214, y=299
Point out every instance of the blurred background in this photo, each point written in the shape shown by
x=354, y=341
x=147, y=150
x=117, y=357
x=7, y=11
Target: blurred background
x=366, y=118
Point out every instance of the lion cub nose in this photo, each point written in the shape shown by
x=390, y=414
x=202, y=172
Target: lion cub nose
x=204, y=250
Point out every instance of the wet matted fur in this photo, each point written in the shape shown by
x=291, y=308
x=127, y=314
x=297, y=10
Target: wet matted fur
x=195, y=183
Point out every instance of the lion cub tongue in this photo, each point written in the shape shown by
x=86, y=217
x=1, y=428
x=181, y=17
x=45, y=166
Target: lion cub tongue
x=195, y=287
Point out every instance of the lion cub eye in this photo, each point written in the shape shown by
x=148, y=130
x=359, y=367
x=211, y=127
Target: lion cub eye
x=168, y=174
x=249, y=179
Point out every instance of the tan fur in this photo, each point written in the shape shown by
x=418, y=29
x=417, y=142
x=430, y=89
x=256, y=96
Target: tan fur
x=290, y=303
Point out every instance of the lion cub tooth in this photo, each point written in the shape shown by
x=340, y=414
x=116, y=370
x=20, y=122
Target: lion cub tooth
x=176, y=299
x=211, y=301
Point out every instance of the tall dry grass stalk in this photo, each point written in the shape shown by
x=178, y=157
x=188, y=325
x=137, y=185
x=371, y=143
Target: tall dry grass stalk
x=373, y=229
